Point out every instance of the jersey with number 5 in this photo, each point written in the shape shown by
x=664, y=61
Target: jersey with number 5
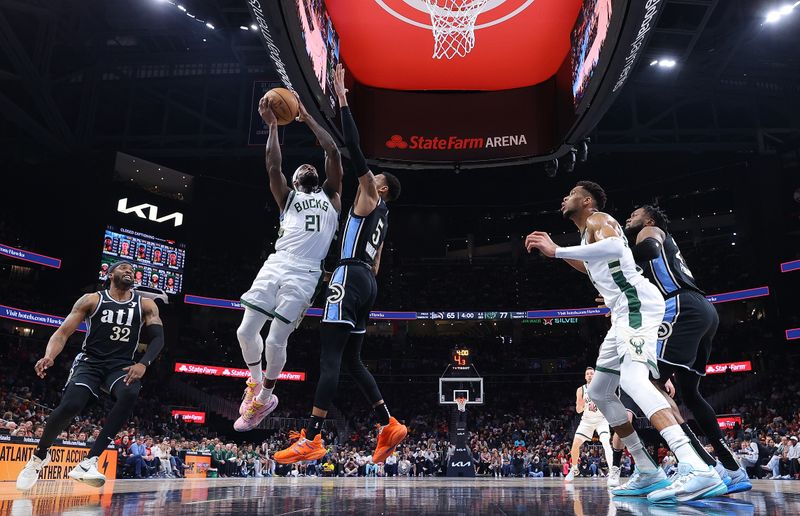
x=112, y=330
x=363, y=236
x=308, y=224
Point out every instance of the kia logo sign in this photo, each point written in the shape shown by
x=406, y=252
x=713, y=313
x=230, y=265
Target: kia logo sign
x=149, y=211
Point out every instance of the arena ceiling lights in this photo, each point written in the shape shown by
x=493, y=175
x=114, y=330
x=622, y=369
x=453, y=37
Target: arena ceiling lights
x=780, y=13
x=526, y=85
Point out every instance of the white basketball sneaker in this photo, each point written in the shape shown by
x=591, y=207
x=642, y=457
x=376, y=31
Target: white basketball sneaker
x=690, y=484
x=571, y=475
x=613, y=477
x=86, y=472
x=30, y=473
x=642, y=483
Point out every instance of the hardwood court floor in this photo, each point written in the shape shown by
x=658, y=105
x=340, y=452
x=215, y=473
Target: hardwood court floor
x=412, y=496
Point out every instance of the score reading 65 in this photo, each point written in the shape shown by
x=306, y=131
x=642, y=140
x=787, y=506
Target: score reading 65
x=461, y=357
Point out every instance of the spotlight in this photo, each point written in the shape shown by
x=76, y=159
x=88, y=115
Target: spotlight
x=182, y=8
x=568, y=163
x=664, y=63
x=254, y=27
x=243, y=27
x=776, y=15
x=583, y=150
x=551, y=167
x=210, y=26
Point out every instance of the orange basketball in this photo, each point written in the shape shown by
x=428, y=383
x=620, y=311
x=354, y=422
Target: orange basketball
x=284, y=105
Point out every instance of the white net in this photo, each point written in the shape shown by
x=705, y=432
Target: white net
x=454, y=26
x=462, y=404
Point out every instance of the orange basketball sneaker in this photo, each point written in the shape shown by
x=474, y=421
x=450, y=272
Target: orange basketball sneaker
x=388, y=439
x=303, y=449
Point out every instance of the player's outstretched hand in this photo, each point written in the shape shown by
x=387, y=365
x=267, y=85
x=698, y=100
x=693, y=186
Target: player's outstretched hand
x=541, y=241
x=338, y=83
x=265, y=110
x=302, y=114
x=135, y=372
x=42, y=366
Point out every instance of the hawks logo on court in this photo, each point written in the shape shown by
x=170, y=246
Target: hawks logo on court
x=664, y=330
x=638, y=344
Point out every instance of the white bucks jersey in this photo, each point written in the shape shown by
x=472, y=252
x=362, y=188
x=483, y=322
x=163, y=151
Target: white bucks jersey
x=308, y=224
x=621, y=284
x=590, y=410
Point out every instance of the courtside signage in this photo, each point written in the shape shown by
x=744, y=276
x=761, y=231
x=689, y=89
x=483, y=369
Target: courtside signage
x=190, y=416
x=28, y=256
x=17, y=314
x=729, y=422
x=793, y=334
x=730, y=367
x=790, y=266
x=232, y=372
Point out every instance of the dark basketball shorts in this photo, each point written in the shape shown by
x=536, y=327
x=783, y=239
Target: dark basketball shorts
x=97, y=375
x=685, y=335
x=350, y=296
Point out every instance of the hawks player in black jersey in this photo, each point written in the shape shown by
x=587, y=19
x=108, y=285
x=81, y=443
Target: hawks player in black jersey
x=690, y=323
x=350, y=295
x=114, y=320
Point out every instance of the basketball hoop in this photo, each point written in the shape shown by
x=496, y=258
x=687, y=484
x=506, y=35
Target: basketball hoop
x=454, y=26
x=462, y=404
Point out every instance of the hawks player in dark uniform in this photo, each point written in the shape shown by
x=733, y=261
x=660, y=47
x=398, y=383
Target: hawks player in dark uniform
x=114, y=321
x=685, y=336
x=350, y=295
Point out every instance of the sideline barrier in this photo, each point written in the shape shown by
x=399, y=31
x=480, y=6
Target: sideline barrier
x=725, y=297
x=732, y=367
x=65, y=455
x=28, y=316
x=29, y=256
x=198, y=463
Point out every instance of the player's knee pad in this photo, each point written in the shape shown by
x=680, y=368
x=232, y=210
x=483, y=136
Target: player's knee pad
x=603, y=391
x=635, y=380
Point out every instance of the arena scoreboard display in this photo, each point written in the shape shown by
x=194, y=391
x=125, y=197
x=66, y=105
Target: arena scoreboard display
x=534, y=82
x=157, y=262
x=461, y=357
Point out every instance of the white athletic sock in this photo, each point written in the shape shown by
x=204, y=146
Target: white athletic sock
x=643, y=459
x=264, y=395
x=681, y=446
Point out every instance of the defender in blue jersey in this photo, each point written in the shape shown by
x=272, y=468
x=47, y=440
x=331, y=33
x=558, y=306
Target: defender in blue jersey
x=685, y=336
x=350, y=295
x=114, y=320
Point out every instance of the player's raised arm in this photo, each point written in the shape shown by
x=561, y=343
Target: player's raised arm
x=80, y=311
x=367, y=196
x=333, y=158
x=277, y=181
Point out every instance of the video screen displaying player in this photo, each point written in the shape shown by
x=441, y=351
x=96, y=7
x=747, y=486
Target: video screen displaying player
x=150, y=255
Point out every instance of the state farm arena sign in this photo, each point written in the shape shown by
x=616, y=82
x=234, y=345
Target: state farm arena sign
x=456, y=126
x=232, y=372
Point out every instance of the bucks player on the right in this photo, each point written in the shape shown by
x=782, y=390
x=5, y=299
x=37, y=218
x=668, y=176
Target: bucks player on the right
x=290, y=278
x=627, y=355
x=690, y=323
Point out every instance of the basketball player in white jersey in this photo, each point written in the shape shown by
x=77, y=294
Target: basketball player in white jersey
x=627, y=356
x=291, y=277
x=592, y=420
